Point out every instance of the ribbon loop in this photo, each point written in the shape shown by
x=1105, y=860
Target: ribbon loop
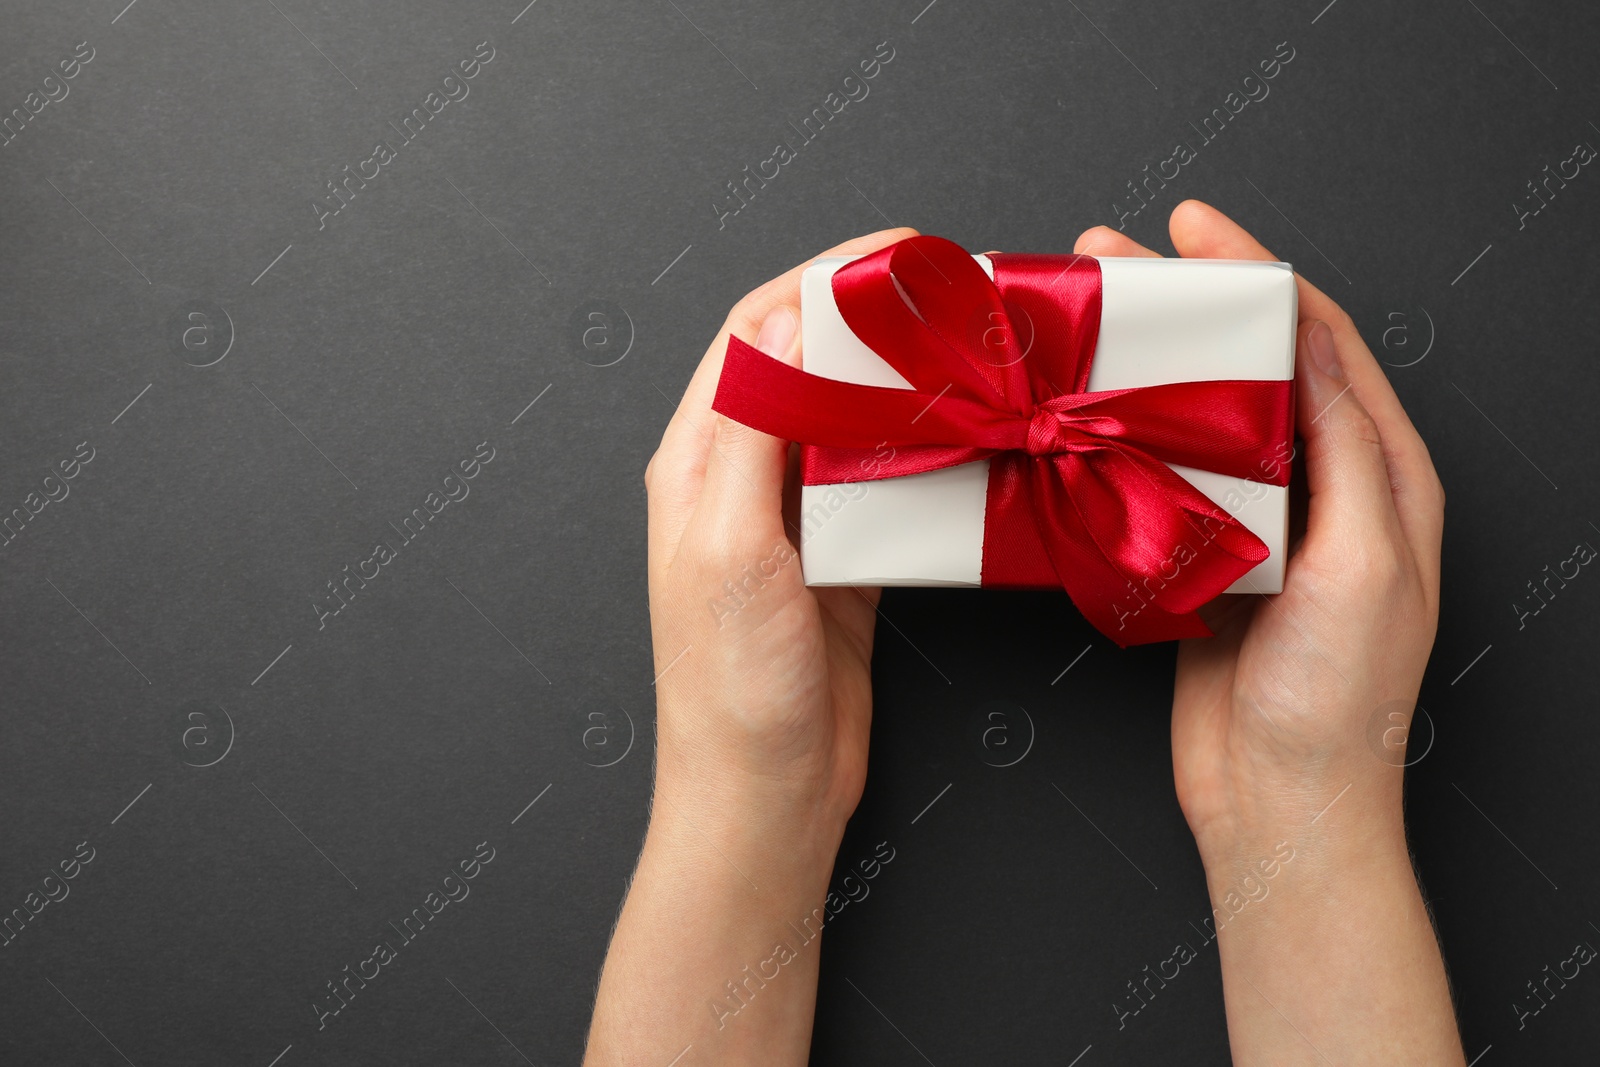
x=1080, y=492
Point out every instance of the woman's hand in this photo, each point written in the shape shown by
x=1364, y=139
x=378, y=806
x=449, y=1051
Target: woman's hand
x=1274, y=710
x=763, y=682
x=763, y=709
x=1328, y=954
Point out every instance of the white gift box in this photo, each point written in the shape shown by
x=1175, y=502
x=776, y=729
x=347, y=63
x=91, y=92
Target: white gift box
x=1162, y=321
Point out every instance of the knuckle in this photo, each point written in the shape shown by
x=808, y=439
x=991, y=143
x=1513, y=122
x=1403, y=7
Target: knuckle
x=1413, y=475
x=1430, y=491
x=1363, y=431
x=1430, y=476
x=746, y=315
x=722, y=432
x=729, y=437
x=1434, y=483
x=1381, y=568
x=1395, y=574
x=716, y=560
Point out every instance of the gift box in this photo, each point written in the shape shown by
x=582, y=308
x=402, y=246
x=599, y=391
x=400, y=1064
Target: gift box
x=1192, y=360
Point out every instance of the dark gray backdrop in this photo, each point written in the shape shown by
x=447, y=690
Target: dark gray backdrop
x=262, y=797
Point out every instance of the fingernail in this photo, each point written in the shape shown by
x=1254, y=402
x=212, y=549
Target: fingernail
x=1320, y=341
x=777, y=332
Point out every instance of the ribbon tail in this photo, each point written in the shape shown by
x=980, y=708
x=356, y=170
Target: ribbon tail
x=1030, y=530
x=924, y=431
x=1156, y=550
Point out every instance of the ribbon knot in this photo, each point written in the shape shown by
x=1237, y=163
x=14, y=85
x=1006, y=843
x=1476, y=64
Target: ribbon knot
x=1081, y=493
x=1050, y=434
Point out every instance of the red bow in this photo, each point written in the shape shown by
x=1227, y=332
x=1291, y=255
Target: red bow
x=1080, y=494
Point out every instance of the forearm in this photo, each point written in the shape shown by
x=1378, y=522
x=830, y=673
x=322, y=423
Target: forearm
x=718, y=944
x=1329, y=955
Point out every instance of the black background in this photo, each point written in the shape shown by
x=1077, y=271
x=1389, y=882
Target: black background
x=503, y=656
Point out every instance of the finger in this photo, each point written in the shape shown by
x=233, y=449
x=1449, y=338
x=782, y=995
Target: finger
x=1202, y=232
x=743, y=322
x=1104, y=241
x=740, y=509
x=677, y=470
x=1351, y=515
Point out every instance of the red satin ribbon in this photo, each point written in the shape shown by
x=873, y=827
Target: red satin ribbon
x=1080, y=494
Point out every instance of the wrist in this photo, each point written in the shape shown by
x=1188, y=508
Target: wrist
x=800, y=794
x=744, y=824
x=1321, y=921
x=1353, y=819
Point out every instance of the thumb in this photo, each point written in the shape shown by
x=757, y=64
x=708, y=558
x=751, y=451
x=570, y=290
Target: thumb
x=745, y=468
x=1352, y=504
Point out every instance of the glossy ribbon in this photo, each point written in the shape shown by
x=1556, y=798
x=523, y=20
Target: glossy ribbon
x=1079, y=494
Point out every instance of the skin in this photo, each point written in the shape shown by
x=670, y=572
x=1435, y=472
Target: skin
x=763, y=717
